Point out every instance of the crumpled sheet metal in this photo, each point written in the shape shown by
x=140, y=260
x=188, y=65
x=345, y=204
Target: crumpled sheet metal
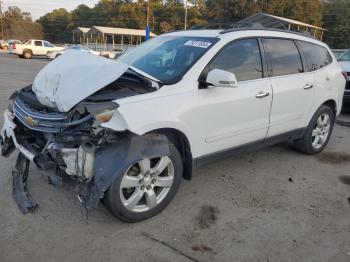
x=19, y=186
x=114, y=159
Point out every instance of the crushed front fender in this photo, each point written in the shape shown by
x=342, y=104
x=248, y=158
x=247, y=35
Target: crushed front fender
x=114, y=159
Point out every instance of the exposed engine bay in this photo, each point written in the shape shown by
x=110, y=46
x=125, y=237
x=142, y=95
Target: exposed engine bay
x=74, y=143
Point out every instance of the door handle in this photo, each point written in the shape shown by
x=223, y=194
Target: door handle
x=308, y=87
x=262, y=94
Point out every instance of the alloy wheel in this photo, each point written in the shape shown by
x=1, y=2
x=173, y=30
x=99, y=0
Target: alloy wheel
x=321, y=131
x=146, y=184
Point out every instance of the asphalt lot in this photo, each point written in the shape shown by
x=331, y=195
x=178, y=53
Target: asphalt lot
x=271, y=205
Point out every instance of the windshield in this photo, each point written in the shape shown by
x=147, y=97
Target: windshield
x=345, y=56
x=168, y=58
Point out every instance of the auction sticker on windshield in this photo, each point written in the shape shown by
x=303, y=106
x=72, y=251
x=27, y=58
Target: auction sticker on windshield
x=201, y=44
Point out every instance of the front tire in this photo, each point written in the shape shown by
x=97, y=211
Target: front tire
x=318, y=132
x=146, y=188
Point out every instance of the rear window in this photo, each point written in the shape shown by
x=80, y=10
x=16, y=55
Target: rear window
x=38, y=43
x=317, y=56
x=285, y=57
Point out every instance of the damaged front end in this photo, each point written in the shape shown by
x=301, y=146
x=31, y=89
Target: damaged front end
x=74, y=143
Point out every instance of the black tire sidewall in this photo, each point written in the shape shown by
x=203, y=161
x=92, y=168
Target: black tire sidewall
x=114, y=204
x=307, y=139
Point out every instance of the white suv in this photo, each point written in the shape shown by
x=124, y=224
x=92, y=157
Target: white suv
x=129, y=130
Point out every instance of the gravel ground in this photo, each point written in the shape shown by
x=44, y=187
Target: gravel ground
x=271, y=205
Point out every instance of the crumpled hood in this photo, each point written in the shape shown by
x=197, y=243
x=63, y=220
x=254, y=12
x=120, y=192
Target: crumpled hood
x=73, y=77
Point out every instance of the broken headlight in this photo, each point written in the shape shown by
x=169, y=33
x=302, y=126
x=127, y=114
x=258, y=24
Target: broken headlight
x=102, y=111
x=105, y=115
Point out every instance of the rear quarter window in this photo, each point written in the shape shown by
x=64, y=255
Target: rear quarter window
x=317, y=56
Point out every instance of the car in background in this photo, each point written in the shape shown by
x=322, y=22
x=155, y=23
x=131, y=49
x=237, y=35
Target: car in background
x=35, y=47
x=12, y=45
x=4, y=45
x=113, y=54
x=56, y=53
x=344, y=62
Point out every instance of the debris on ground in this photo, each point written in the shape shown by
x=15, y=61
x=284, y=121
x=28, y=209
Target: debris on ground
x=202, y=248
x=149, y=236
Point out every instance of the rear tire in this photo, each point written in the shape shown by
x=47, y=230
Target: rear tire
x=318, y=132
x=27, y=54
x=155, y=197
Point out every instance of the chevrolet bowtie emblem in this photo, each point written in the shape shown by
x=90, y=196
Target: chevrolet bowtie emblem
x=31, y=122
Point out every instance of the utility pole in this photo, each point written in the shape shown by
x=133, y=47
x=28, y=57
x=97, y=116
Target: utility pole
x=185, y=14
x=1, y=22
x=148, y=28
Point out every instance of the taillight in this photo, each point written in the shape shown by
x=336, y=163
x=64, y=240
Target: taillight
x=13, y=46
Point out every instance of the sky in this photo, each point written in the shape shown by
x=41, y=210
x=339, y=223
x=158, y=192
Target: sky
x=40, y=7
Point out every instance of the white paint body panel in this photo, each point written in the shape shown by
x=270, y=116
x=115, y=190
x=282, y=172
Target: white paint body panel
x=291, y=102
x=217, y=119
x=212, y=119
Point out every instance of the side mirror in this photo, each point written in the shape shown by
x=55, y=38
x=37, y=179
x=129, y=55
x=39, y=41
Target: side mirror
x=221, y=78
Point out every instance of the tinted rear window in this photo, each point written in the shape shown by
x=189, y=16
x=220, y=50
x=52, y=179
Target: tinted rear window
x=38, y=43
x=317, y=56
x=285, y=57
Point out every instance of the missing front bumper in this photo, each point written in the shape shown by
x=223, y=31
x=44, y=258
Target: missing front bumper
x=20, y=172
x=103, y=160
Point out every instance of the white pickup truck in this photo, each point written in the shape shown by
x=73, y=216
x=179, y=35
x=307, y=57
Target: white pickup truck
x=35, y=47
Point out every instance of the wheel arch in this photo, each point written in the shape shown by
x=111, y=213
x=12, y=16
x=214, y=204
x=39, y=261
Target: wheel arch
x=332, y=104
x=27, y=50
x=181, y=142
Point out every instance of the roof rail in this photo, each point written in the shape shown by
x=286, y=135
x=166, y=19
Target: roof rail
x=301, y=33
x=227, y=26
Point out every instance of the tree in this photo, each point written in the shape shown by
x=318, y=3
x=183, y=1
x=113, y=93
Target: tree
x=19, y=25
x=223, y=11
x=56, y=25
x=336, y=19
x=307, y=11
x=167, y=15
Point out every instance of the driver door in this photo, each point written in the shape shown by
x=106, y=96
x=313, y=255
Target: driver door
x=230, y=117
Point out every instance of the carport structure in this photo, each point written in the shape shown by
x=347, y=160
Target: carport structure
x=81, y=34
x=272, y=21
x=101, y=35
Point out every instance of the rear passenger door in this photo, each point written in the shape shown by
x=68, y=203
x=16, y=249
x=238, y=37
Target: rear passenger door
x=292, y=86
x=318, y=59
